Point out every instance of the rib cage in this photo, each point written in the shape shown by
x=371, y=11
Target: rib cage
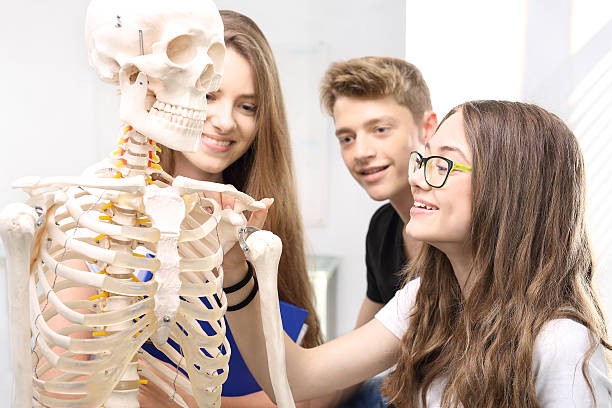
x=87, y=328
x=120, y=318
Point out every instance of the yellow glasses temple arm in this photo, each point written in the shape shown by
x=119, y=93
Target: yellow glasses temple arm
x=461, y=167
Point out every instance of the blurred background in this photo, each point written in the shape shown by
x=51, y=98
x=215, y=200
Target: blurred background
x=56, y=117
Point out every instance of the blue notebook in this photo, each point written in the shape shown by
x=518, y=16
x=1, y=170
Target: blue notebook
x=240, y=381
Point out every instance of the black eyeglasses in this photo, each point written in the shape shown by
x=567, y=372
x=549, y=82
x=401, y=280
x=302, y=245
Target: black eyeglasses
x=437, y=168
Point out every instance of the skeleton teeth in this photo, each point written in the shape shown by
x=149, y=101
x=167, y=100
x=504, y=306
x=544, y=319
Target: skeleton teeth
x=181, y=116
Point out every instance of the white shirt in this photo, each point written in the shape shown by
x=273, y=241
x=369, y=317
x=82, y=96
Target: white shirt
x=558, y=353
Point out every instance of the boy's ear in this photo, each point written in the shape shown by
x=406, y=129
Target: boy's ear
x=430, y=124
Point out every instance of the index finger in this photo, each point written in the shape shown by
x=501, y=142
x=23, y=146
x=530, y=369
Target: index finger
x=227, y=201
x=258, y=218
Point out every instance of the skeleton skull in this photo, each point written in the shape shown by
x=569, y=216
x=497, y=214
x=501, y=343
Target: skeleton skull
x=165, y=57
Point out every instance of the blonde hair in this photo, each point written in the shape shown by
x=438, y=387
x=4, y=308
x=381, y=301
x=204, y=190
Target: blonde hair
x=532, y=263
x=266, y=168
x=376, y=77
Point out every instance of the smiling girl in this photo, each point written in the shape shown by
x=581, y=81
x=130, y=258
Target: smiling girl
x=246, y=143
x=499, y=308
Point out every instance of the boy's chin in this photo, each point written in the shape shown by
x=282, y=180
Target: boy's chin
x=378, y=194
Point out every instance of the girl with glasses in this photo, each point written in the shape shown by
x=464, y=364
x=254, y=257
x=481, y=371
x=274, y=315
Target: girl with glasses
x=499, y=308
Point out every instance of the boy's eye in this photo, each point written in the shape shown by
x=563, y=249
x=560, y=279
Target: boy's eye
x=381, y=129
x=346, y=139
x=209, y=97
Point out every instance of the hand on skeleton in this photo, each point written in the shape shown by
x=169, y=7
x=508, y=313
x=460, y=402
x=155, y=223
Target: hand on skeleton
x=234, y=261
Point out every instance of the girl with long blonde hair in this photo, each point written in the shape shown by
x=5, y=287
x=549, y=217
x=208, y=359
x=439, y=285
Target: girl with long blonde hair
x=263, y=165
x=499, y=308
x=246, y=143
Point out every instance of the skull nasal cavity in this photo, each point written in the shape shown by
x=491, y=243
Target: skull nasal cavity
x=181, y=50
x=204, y=80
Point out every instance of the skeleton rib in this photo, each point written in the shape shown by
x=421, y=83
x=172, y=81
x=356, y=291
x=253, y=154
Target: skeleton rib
x=202, y=264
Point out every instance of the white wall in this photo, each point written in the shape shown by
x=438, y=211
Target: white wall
x=51, y=110
x=556, y=53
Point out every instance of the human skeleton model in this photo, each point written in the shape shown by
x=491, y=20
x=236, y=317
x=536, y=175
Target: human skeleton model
x=165, y=56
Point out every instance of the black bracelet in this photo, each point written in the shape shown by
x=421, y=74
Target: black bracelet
x=243, y=282
x=248, y=299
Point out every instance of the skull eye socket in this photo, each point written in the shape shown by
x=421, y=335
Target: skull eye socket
x=181, y=50
x=216, y=52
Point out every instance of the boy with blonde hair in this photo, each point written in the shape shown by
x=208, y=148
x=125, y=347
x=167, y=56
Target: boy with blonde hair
x=382, y=111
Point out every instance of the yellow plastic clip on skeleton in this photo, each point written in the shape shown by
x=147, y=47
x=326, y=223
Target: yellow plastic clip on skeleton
x=101, y=219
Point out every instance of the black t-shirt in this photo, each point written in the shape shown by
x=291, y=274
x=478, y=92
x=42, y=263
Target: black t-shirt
x=384, y=254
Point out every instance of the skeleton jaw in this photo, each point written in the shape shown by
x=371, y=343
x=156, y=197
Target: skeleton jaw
x=175, y=126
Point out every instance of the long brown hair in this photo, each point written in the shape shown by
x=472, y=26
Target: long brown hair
x=532, y=263
x=266, y=168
